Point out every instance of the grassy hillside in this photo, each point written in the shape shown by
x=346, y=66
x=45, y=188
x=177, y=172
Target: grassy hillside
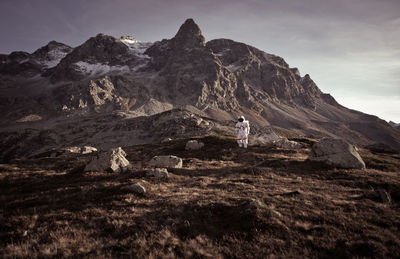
x=224, y=202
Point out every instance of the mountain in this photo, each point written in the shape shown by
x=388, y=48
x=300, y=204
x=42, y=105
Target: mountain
x=21, y=63
x=394, y=124
x=109, y=82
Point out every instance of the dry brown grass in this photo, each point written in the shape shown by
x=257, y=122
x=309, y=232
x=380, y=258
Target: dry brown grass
x=50, y=208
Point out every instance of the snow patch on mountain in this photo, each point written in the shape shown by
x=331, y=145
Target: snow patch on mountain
x=53, y=59
x=23, y=61
x=135, y=46
x=129, y=39
x=99, y=69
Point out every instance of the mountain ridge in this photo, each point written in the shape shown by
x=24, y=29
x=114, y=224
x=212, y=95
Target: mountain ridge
x=221, y=78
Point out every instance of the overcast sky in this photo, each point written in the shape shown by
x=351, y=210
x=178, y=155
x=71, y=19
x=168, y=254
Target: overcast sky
x=351, y=48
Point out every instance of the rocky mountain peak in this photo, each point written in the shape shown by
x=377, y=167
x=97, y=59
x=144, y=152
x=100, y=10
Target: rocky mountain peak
x=189, y=34
x=55, y=44
x=53, y=52
x=90, y=56
x=102, y=40
x=29, y=65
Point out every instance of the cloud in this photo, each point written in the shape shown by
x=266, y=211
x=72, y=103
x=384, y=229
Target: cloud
x=382, y=106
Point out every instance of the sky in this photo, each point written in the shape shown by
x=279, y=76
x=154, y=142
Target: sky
x=350, y=48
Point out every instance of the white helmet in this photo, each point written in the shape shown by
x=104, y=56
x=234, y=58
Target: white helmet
x=241, y=117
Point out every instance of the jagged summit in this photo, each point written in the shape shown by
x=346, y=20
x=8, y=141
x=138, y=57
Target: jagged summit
x=189, y=34
x=52, y=45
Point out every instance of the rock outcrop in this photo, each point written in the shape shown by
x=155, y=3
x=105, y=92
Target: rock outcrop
x=113, y=160
x=166, y=161
x=336, y=152
x=194, y=145
x=287, y=144
x=88, y=149
x=265, y=137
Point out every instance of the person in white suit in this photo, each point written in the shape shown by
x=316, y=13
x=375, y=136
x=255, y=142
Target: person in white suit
x=242, y=130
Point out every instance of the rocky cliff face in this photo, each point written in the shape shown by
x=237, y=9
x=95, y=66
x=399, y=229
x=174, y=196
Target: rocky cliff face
x=219, y=79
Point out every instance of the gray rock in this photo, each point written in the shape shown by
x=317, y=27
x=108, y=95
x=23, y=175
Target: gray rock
x=166, y=161
x=157, y=172
x=87, y=149
x=194, y=145
x=336, y=152
x=71, y=150
x=287, y=144
x=166, y=140
x=113, y=160
x=268, y=136
x=135, y=188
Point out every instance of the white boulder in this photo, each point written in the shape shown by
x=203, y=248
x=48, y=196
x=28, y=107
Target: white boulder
x=71, y=150
x=88, y=149
x=113, y=160
x=336, y=152
x=166, y=140
x=166, y=161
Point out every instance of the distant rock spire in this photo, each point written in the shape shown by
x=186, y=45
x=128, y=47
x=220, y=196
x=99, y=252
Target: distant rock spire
x=189, y=35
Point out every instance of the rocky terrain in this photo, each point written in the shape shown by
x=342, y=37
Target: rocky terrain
x=54, y=96
x=223, y=202
x=122, y=148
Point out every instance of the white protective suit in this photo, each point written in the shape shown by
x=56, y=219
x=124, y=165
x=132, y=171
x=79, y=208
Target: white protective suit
x=242, y=130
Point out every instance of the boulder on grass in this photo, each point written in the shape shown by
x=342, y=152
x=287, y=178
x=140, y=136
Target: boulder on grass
x=267, y=137
x=113, y=160
x=336, y=152
x=166, y=140
x=287, y=144
x=135, y=188
x=157, y=173
x=166, y=161
x=194, y=145
x=88, y=149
